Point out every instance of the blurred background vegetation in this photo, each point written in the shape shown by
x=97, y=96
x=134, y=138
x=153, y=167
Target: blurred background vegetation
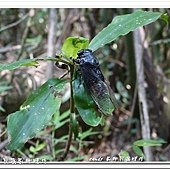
x=31, y=33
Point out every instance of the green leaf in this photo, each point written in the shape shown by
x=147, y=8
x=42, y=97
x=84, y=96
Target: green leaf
x=62, y=139
x=72, y=45
x=124, y=156
x=17, y=64
x=34, y=114
x=149, y=142
x=46, y=158
x=85, y=104
x=122, y=25
x=32, y=149
x=165, y=18
x=138, y=151
x=38, y=147
x=77, y=158
x=60, y=119
x=87, y=133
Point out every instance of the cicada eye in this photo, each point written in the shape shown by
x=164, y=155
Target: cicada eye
x=82, y=61
x=81, y=52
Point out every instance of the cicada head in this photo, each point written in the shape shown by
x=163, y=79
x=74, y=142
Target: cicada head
x=86, y=56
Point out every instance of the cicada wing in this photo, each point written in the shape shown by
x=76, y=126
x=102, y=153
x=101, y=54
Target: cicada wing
x=98, y=89
x=112, y=96
x=101, y=94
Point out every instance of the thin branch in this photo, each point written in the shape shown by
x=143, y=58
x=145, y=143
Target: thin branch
x=143, y=105
x=51, y=40
x=62, y=76
x=15, y=23
x=9, y=49
x=25, y=34
x=17, y=47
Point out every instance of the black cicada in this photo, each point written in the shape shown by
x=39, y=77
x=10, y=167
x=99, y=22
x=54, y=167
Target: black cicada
x=94, y=81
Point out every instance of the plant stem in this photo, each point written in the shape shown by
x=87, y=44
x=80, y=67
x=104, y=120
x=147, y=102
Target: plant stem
x=71, y=88
x=54, y=59
x=15, y=23
x=70, y=134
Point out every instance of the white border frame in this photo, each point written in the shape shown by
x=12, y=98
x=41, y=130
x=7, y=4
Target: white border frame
x=84, y=4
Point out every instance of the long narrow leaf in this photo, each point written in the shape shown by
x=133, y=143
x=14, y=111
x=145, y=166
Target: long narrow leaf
x=122, y=25
x=149, y=142
x=17, y=64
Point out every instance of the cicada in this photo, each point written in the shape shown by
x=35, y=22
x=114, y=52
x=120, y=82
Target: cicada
x=94, y=81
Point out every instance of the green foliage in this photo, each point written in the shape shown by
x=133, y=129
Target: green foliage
x=38, y=147
x=18, y=64
x=138, y=151
x=149, y=142
x=145, y=142
x=72, y=45
x=122, y=25
x=124, y=155
x=87, y=133
x=77, y=158
x=136, y=146
x=34, y=114
x=59, y=119
x=165, y=18
x=27, y=63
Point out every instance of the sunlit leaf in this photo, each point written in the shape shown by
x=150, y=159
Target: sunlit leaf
x=72, y=45
x=122, y=25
